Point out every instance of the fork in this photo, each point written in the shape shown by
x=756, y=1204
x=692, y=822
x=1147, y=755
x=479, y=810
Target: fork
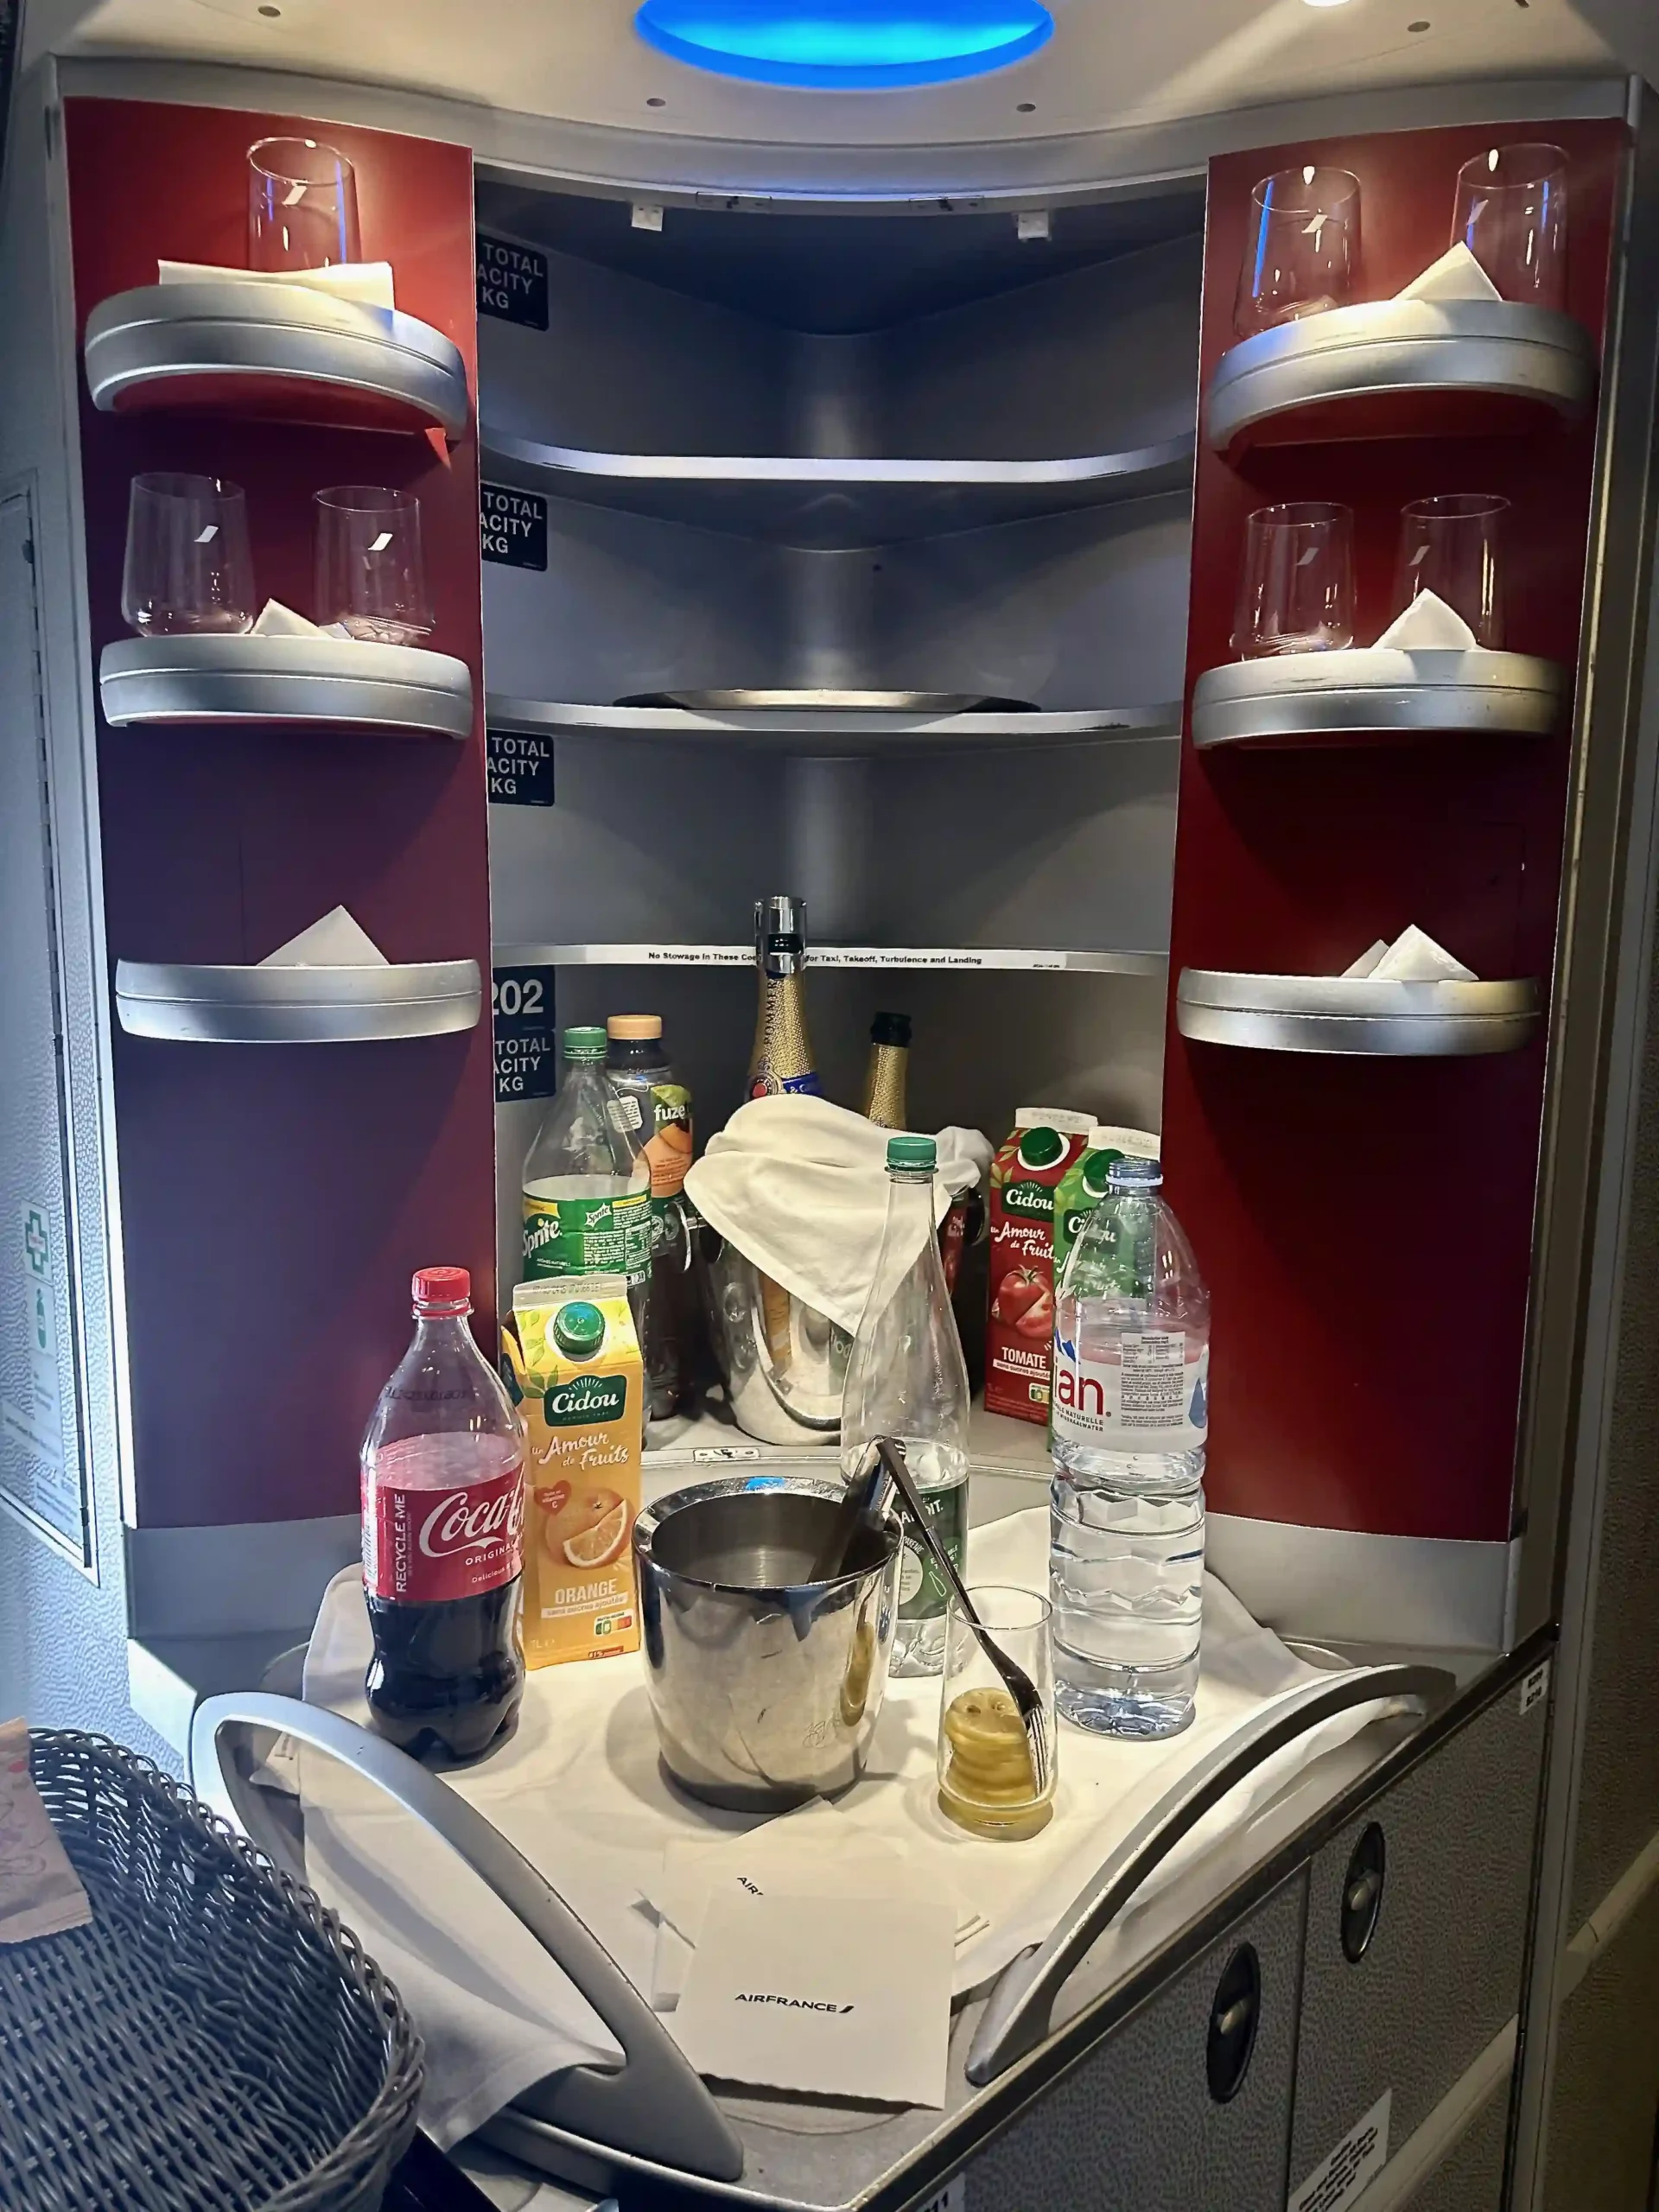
x=1019, y=1684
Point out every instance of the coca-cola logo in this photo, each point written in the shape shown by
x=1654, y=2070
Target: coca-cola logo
x=461, y=1522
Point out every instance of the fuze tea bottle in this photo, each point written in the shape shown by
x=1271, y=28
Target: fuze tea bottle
x=586, y=1184
x=637, y=1062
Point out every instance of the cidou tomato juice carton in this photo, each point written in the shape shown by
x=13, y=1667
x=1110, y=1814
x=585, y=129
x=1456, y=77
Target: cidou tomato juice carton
x=1020, y=1331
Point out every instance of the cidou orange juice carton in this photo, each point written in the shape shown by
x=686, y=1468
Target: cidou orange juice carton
x=1026, y=1174
x=576, y=1365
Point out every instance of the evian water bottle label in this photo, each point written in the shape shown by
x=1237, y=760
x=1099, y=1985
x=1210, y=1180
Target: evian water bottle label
x=1153, y=1398
x=425, y=1546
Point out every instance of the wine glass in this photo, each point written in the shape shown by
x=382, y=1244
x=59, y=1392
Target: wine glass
x=1511, y=214
x=1450, y=546
x=370, y=573
x=1297, y=591
x=189, y=566
x=1301, y=252
x=302, y=205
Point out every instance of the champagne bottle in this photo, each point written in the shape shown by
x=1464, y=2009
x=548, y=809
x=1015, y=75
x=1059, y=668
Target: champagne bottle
x=782, y=1058
x=884, y=1081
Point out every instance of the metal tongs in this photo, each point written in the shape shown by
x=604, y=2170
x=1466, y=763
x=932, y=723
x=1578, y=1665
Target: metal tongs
x=870, y=1491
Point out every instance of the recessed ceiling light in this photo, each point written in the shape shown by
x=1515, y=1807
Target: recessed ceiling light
x=846, y=43
x=1325, y=4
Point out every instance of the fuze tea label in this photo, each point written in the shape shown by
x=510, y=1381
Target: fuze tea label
x=587, y=1237
x=590, y=1397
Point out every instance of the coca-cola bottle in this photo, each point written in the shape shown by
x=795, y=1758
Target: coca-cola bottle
x=444, y=1517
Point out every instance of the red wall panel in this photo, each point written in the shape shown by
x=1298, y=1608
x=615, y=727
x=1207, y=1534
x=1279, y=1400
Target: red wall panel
x=274, y=1199
x=1366, y=1225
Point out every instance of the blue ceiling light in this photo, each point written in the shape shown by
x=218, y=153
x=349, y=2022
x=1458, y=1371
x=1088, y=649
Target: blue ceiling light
x=858, y=44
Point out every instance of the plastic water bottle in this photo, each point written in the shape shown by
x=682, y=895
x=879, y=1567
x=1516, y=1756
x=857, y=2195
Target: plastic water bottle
x=1130, y=1418
x=906, y=1378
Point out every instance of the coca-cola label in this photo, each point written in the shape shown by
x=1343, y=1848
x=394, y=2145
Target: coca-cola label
x=425, y=1546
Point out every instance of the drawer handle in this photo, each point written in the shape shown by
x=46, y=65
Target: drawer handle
x=1233, y=2017
x=1362, y=1893
x=1017, y=2016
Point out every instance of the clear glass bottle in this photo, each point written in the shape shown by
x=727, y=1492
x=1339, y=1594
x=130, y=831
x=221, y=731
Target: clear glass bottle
x=587, y=1183
x=906, y=1379
x=443, y=1465
x=1129, y=1424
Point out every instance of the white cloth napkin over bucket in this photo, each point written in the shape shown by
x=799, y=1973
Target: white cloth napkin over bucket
x=577, y=1789
x=800, y=1187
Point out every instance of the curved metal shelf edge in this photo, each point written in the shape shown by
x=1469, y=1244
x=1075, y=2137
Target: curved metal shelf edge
x=1355, y=1017
x=145, y=681
x=871, y=732
x=161, y=334
x=1393, y=347
x=243, y=1005
x=1374, y=693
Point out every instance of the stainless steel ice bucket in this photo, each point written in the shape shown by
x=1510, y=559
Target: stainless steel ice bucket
x=764, y=1685
x=783, y=1362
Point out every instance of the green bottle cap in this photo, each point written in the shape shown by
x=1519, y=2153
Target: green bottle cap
x=913, y=1152
x=579, y=1329
x=584, y=1044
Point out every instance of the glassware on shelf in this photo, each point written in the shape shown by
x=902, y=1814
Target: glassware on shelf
x=370, y=573
x=1301, y=252
x=1452, y=545
x=1511, y=214
x=1297, y=591
x=986, y=1782
x=188, y=564
x=302, y=205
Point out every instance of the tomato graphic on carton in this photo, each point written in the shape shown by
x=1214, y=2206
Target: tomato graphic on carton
x=1019, y=1333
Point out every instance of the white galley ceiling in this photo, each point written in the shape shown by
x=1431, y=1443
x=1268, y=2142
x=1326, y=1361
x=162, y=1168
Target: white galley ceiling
x=1111, y=64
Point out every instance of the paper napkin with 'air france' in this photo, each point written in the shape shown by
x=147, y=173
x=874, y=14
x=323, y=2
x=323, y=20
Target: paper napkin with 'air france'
x=839, y=1997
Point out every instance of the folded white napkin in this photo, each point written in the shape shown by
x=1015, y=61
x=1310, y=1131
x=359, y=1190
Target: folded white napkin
x=1456, y=276
x=368, y=283
x=335, y=941
x=1428, y=625
x=1413, y=957
x=800, y=1187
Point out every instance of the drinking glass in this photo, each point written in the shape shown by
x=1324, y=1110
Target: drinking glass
x=188, y=564
x=1450, y=546
x=1302, y=253
x=369, y=575
x=1511, y=214
x=1297, y=593
x=302, y=205
x=986, y=1782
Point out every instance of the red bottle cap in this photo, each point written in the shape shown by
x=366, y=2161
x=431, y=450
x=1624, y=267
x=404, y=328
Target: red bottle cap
x=450, y=1287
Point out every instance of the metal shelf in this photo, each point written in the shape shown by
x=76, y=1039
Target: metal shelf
x=843, y=732
x=1377, y=693
x=1394, y=368
x=339, y=681
x=997, y=1445
x=296, y=1005
x=1354, y=1015
x=273, y=352
x=961, y=959
x=804, y=500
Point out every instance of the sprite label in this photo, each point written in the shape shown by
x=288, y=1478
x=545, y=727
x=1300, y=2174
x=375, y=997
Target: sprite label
x=922, y=1593
x=587, y=1237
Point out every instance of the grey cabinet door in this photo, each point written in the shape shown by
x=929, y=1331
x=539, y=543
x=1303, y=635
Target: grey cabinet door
x=1136, y=2127
x=1441, y=1973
